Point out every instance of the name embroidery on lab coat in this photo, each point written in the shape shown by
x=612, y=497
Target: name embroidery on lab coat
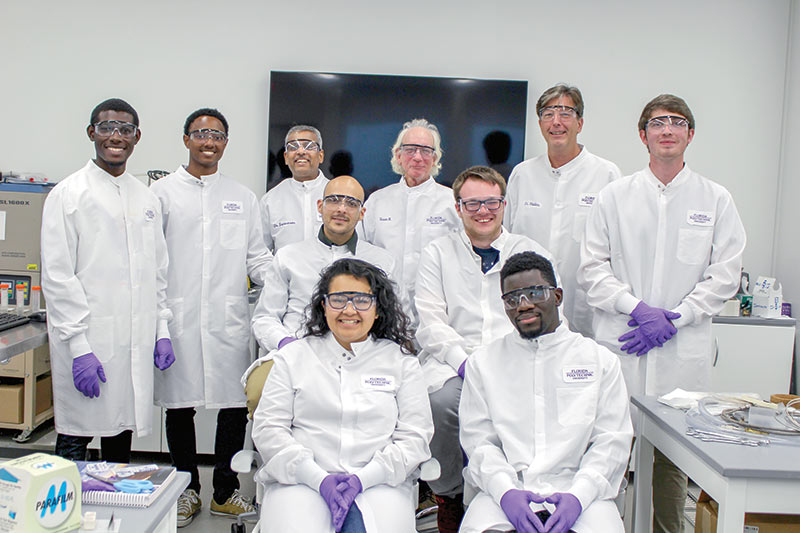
x=700, y=218
x=435, y=220
x=586, y=199
x=149, y=214
x=579, y=374
x=378, y=382
x=384, y=219
x=531, y=203
x=284, y=223
x=231, y=206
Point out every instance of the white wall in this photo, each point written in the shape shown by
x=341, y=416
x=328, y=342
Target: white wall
x=726, y=57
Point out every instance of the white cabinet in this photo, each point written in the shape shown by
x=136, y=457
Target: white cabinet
x=752, y=354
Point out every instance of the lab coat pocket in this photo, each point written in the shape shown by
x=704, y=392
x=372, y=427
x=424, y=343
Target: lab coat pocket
x=237, y=316
x=576, y=405
x=101, y=337
x=176, y=323
x=377, y=410
x=579, y=224
x=694, y=246
x=232, y=234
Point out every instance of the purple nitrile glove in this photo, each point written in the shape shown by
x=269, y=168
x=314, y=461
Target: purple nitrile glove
x=90, y=483
x=163, y=354
x=655, y=322
x=349, y=490
x=334, y=498
x=637, y=343
x=568, y=509
x=516, y=504
x=286, y=340
x=462, y=369
x=85, y=371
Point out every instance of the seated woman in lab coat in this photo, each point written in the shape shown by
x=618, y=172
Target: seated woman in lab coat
x=344, y=421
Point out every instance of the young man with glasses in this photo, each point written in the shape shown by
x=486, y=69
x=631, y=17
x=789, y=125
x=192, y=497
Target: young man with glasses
x=456, y=298
x=289, y=210
x=405, y=216
x=549, y=196
x=104, y=275
x=212, y=225
x=295, y=270
x=661, y=254
x=545, y=418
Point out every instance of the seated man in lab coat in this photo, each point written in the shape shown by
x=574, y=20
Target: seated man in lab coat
x=213, y=230
x=104, y=275
x=549, y=196
x=295, y=270
x=458, y=281
x=545, y=418
x=661, y=254
x=289, y=210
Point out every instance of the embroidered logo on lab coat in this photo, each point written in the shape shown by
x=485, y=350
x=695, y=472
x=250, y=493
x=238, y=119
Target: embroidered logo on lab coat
x=700, y=218
x=149, y=214
x=378, y=382
x=579, y=374
x=531, y=203
x=586, y=199
x=231, y=206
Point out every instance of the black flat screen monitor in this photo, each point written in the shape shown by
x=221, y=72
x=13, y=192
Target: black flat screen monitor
x=361, y=114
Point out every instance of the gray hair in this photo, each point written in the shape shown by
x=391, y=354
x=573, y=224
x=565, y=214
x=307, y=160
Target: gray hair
x=304, y=127
x=437, y=145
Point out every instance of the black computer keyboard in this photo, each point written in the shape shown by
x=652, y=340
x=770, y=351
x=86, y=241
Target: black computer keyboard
x=9, y=320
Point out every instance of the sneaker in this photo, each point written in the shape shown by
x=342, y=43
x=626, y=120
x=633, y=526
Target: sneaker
x=189, y=504
x=450, y=513
x=233, y=506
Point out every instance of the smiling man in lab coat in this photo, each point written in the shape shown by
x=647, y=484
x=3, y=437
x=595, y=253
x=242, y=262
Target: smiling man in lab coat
x=545, y=417
x=104, y=273
x=213, y=231
x=458, y=282
x=661, y=254
x=549, y=196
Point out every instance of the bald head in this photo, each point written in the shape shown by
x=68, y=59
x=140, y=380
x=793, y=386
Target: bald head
x=342, y=207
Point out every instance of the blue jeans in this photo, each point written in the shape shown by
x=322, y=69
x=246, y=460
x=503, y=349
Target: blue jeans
x=354, y=522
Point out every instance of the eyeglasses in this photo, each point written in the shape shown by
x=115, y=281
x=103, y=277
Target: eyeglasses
x=107, y=128
x=342, y=199
x=565, y=112
x=659, y=123
x=362, y=301
x=303, y=144
x=473, y=206
x=410, y=149
x=535, y=294
x=208, y=133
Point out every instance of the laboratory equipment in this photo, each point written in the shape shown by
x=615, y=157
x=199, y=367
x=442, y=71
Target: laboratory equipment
x=11, y=320
x=21, y=298
x=36, y=299
x=4, y=287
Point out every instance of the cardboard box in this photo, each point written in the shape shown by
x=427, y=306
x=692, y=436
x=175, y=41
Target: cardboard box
x=708, y=509
x=44, y=393
x=40, y=493
x=11, y=403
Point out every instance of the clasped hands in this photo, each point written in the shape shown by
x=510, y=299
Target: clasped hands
x=516, y=505
x=339, y=491
x=654, y=329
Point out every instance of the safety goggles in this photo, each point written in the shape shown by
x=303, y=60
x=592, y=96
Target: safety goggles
x=342, y=199
x=659, y=123
x=473, y=206
x=303, y=144
x=107, y=128
x=535, y=294
x=564, y=112
x=208, y=133
x=410, y=149
x=362, y=301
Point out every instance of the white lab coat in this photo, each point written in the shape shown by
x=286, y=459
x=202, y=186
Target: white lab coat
x=404, y=219
x=550, y=205
x=295, y=271
x=104, y=268
x=546, y=415
x=213, y=230
x=320, y=413
x=677, y=247
x=289, y=211
x=459, y=306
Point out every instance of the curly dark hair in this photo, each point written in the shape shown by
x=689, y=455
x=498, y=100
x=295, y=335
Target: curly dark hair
x=523, y=261
x=390, y=323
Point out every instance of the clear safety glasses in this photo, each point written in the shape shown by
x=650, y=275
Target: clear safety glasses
x=107, y=128
x=302, y=144
x=535, y=294
x=208, y=133
x=564, y=112
x=362, y=301
x=341, y=199
x=410, y=149
x=659, y=123
x=473, y=206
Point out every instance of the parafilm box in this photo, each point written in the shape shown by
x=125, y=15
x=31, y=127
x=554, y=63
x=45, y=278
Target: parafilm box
x=40, y=493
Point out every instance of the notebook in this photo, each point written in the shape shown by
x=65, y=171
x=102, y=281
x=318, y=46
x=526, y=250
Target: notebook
x=159, y=476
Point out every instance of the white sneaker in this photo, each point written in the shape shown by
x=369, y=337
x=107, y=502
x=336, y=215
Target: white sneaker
x=189, y=504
